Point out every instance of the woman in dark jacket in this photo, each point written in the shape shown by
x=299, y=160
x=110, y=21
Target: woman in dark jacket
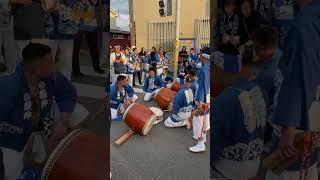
x=249, y=21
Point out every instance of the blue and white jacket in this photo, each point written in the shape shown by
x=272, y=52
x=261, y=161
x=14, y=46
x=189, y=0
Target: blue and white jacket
x=203, y=93
x=151, y=85
x=15, y=105
x=129, y=66
x=239, y=117
x=298, y=101
x=166, y=79
x=115, y=97
x=182, y=103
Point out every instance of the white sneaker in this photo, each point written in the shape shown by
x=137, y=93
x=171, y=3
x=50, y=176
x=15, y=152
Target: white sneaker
x=110, y=175
x=200, y=147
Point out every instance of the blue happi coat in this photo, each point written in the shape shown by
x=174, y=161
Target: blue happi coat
x=152, y=84
x=129, y=65
x=239, y=117
x=182, y=103
x=166, y=79
x=203, y=92
x=115, y=97
x=15, y=105
x=300, y=66
x=270, y=79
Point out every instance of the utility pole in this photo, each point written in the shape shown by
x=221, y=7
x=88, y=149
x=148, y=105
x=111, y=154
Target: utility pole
x=132, y=29
x=176, y=54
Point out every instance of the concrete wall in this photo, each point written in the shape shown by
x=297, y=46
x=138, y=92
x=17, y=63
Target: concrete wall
x=148, y=10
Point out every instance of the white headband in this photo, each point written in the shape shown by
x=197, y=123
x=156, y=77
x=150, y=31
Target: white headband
x=207, y=56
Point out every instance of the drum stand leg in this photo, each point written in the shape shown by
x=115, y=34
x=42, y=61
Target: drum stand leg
x=124, y=137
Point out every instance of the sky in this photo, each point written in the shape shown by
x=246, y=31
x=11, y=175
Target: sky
x=121, y=7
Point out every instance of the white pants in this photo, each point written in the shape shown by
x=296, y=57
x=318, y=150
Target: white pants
x=12, y=57
x=238, y=170
x=200, y=124
x=114, y=112
x=65, y=56
x=79, y=115
x=13, y=163
x=294, y=175
x=130, y=79
x=181, y=117
x=150, y=95
x=13, y=160
x=144, y=75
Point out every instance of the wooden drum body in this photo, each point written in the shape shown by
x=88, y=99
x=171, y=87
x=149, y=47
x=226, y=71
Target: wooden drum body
x=139, y=118
x=176, y=87
x=164, y=98
x=81, y=155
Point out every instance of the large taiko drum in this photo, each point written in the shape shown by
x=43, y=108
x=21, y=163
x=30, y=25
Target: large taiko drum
x=81, y=155
x=139, y=118
x=164, y=98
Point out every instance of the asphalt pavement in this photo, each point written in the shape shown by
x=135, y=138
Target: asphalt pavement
x=160, y=155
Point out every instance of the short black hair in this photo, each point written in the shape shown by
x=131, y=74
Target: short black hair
x=191, y=49
x=134, y=49
x=206, y=50
x=121, y=78
x=34, y=51
x=152, y=69
x=193, y=73
x=266, y=36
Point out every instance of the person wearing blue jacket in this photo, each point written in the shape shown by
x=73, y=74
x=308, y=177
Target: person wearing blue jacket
x=266, y=42
x=183, y=104
x=152, y=85
x=297, y=109
x=26, y=105
x=121, y=96
x=167, y=79
x=239, y=119
x=201, y=120
x=129, y=66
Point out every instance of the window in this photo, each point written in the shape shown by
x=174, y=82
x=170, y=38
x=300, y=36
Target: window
x=115, y=36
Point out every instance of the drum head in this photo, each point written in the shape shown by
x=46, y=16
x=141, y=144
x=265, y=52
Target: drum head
x=149, y=125
x=158, y=112
x=127, y=110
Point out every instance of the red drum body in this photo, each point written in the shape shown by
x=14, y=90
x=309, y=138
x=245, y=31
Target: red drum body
x=177, y=86
x=164, y=98
x=81, y=155
x=139, y=118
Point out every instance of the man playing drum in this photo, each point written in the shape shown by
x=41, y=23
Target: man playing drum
x=201, y=121
x=239, y=119
x=152, y=85
x=121, y=96
x=26, y=105
x=183, y=103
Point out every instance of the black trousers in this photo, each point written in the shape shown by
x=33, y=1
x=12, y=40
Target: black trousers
x=92, y=42
x=137, y=73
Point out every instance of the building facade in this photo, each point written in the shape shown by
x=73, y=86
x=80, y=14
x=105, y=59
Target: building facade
x=153, y=30
x=117, y=36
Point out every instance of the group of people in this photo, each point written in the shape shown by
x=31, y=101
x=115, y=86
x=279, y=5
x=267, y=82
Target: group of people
x=235, y=24
x=264, y=105
x=191, y=101
x=133, y=63
x=57, y=23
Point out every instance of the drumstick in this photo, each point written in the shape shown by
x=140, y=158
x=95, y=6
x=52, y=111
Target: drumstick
x=124, y=137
